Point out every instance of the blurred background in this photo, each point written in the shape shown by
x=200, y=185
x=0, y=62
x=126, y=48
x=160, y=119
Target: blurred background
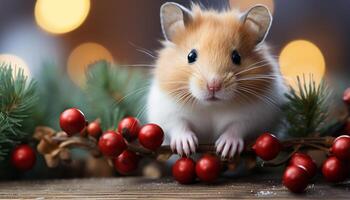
x=307, y=36
x=68, y=35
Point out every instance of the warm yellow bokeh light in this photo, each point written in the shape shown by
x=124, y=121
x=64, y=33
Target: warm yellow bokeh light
x=61, y=16
x=81, y=57
x=16, y=63
x=244, y=5
x=301, y=57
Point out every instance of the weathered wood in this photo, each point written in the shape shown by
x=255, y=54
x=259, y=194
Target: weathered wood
x=254, y=186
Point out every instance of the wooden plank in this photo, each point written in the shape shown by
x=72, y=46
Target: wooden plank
x=253, y=187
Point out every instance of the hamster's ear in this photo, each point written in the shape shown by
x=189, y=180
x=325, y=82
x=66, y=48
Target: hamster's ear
x=173, y=17
x=259, y=20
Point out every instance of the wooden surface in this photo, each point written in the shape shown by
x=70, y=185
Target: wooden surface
x=254, y=186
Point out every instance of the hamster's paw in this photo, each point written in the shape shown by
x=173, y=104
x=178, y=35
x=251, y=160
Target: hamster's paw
x=184, y=143
x=229, y=144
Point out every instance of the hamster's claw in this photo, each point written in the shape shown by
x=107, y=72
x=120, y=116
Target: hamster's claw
x=228, y=145
x=184, y=143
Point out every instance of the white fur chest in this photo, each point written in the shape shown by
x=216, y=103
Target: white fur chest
x=208, y=122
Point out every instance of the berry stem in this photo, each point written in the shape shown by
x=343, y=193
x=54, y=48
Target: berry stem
x=284, y=160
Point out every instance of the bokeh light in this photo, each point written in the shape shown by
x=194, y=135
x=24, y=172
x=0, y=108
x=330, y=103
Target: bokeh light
x=301, y=57
x=61, y=16
x=82, y=56
x=244, y=5
x=16, y=64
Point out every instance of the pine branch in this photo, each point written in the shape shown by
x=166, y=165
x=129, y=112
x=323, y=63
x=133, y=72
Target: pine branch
x=18, y=97
x=307, y=109
x=115, y=92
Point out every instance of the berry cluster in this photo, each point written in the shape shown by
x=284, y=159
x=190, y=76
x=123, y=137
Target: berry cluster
x=336, y=167
x=301, y=168
x=114, y=143
x=207, y=169
x=119, y=146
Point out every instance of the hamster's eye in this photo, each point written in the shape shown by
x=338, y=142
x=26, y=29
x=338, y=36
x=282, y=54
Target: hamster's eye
x=192, y=56
x=236, y=58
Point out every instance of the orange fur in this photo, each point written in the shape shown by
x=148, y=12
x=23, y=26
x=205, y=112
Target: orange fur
x=214, y=35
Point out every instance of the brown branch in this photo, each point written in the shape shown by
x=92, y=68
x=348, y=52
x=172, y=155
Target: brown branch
x=283, y=161
x=59, y=144
x=91, y=144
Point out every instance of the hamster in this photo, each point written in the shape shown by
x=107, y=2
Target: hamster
x=215, y=82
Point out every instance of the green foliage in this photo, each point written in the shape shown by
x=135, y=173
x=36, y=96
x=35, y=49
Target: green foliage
x=57, y=93
x=115, y=92
x=111, y=93
x=307, y=109
x=18, y=97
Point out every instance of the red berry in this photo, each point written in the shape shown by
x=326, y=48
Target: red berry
x=184, y=170
x=267, y=146
x=72, y=121
x=208, y=168
x=111, y=144
x=346, y=96
x=94, y=129
x=341, y=147
x=295, y=178
x=305, y=161
x=151, y=136
x=126, y=162
x=129, y=127
x=334, y=170
x=23, y=157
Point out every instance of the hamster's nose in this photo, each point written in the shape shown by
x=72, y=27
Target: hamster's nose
x=214, y=85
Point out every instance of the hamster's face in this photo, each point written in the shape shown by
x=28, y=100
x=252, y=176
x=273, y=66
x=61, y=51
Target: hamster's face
x=214, y=59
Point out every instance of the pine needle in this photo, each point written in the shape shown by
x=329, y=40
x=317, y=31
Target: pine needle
x=307, y=109
x=18, y=97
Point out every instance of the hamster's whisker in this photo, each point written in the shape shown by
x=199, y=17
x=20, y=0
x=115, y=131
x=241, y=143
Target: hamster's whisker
x=189, y=100
x=246, y=88
x=261, y=98
x=251, y=68
x=146, y=53
x=183, y=98
x=142, y=50
x=264, y=62
x=142, y=111
x=258, y=62
x=179, y=94
x=194, y=103
x=264, y=98
x=274, y=77
x=245, y=81
x=275, y=56
x=179, y=89
x=258, y=78
x=241, y=96
x=139, y=90
x=253, y=86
